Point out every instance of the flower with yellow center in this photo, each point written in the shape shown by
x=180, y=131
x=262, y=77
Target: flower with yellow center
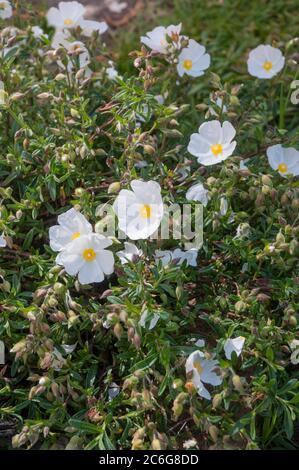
x=145, y=211
x=67, y=15
x=197, y=366
x=267, y=65
x=200, y=371
x=89, y=254
x=68, y=22
x=62, y=39
x=163, y=40
x=188, y=64
x=282, y=167
x=202, y=144
x=285, y=160
x=216, y=149
x=139, y=211
x=265, y=61
x=71, y=225
x=193, y=60
x=87, y=257
x=5, y=9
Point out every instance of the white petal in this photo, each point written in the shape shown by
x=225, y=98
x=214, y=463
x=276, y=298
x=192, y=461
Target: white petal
x=105, y=260
x=235, y=345
x=211, y=131
x=89, y=26
x=229, y=131
x=3, y=242
x=275, y=155
x=90, y=272
x=71, y=261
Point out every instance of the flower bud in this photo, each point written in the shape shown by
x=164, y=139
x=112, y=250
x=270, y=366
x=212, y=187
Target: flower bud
x=114, y=188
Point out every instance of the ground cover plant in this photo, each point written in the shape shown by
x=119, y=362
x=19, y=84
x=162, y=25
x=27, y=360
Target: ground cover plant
x=131, y=341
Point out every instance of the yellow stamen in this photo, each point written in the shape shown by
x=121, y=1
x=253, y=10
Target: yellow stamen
x=267, y=65
x=197, y=366
x=75, y=235
x=282, y=167
x=145, y=211
x=216, y=149
x=3, y=5
x=89, y=254
x=68, y=22
x=188, y=64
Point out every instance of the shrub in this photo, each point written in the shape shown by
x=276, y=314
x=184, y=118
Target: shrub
x=103, y=365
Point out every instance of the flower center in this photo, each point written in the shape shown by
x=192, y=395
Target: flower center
x=267, y=65
x=2, y=5
x=197, y=365
x=188, y=64
x=68, y=22
x=75, y=235
x=282, y=167
x=216, y=149
x=89, y=254
x=145, y=211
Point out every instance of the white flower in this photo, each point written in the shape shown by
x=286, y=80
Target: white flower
x=265, y=61
x=162, y=39
x=139, y=211
x=3, y=242
x=69, y=15
x=38, y=32
x=213, y=143
x=149, y=320
x=88, y=27
x=202, y=372
x=61, y=39
x=189, y=256
x=129, y=253
x=197, y=192
x=294, y=345
x=5, y=9
x=163, y=256
x=219, y=104
x=193, y=60
x=235, y=345
x=284, y=160
x=200, y=343
x=87, y=257
x=178, y=255
x=72, y=225
x=111, y=71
